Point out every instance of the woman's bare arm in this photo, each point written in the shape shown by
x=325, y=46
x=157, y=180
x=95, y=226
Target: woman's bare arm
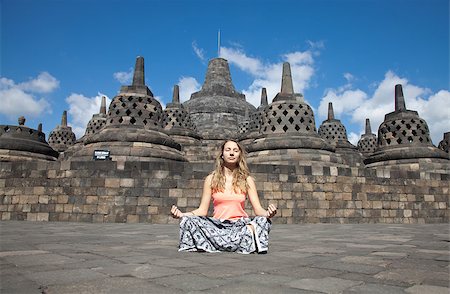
x=254, y=200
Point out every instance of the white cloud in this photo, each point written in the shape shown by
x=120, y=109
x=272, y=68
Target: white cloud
x=353, y=138
x=358, y=105
x=268, y=75
x=124, y=77
x=344, y=101
x=435, y=111
x=349, y=77
x=21, y=99
x=81, y=109
x=247, y=64
x=44, y=83
x=198, y=51
x=160, y=100
x=188, y=85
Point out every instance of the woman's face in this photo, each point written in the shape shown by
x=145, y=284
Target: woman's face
x=231, y=152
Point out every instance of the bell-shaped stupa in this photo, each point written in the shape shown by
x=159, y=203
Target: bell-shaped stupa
x=178, y=125
x=217, y=109
x=22, y=143
x=288, y=130
x=133, y=129
x=367, y=144
x=250, y=129
x=98, y=120
x=445, y=143
x=333, y=131
x=62, y=137
x=403, y=135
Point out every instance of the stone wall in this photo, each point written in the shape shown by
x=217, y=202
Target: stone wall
x=107, y=191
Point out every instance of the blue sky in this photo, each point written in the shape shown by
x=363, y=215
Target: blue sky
x=61, y=55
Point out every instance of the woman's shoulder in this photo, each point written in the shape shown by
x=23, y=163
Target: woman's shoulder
x=250, y=180
x=209, y=177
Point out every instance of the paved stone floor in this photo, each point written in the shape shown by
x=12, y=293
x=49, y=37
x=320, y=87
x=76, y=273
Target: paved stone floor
x=38, y=257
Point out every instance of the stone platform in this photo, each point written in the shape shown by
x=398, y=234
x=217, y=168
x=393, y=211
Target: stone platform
x=55, y=257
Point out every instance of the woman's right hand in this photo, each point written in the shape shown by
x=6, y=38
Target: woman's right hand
x=176, y=213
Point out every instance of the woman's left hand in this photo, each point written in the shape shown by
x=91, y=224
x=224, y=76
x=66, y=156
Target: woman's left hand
x=271, y=210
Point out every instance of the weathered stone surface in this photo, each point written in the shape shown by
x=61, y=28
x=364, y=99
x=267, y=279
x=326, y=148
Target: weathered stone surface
x=404, y=135
x=217, y=109
x=326, y=285
x=18, y=143
x=140, y=258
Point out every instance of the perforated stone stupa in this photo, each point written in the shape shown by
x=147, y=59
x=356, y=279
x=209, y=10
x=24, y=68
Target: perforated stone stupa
x=288, y=130
x=133, y=129
x=333, y=131
x=23, y=143
x=178, y=125
x=62, y=137
x=403, y=135
x=445, y=143
x=98, y=121
x=250, y=129
x=367, y=144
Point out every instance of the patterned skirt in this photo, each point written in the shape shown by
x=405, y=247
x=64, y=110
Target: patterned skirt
x=201, y=233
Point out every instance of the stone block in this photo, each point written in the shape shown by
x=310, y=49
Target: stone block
x=377, y=204
x=152, y=210
x=42, y=216
x=286, y=212
x=143, y=201
x=131, y=200
x=128, y=183
x=5, y=216
x=91, y=199
x=62, y=199
x=176, y=192
x=132, y=218
x=181, y=202
x=103, y=209
x=43, y=199
x=112, y=183
x=89, y=209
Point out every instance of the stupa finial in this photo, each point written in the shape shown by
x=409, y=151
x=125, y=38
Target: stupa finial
x=399, y=99
x=368, y=128
x=138, y=77
x=40, y=127
x=264, y=97
x=64, y=119
x=330, y=111
x=286, y=80
x=103, y=105
x=176, y=94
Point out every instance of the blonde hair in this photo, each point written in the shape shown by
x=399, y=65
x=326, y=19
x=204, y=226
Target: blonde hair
x=240, y=173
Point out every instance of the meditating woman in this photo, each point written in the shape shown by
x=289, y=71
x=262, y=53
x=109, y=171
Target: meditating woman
x=230, y=228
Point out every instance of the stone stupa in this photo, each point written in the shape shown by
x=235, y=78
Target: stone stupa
x=23, y=143
x=367, y=144
x=217, y=109
x=178, y=125
x=403, y=135
x=62, y=137
x=288, y=131
x=133, y=129
x=250, y=130
x=334, y=132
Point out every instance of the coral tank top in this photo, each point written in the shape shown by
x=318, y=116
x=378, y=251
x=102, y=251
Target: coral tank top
x=229, y=206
